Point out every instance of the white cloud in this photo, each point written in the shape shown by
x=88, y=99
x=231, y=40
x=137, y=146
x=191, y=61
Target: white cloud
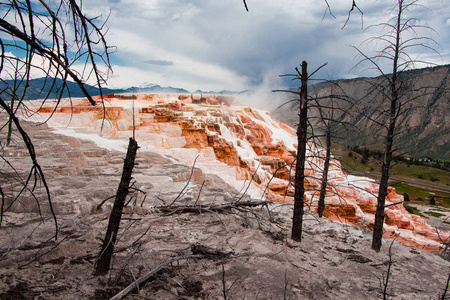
x=216, y=44
x=185, y=73
x=13, y=67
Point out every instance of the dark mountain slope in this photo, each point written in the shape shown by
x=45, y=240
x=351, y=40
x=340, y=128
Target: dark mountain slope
x=39, y=88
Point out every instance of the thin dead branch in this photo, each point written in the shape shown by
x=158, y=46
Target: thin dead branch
x=50, y=41
x=354, y=5
x=182, y=192
x=245, y=4
x=446, y=288
x=104, y=201
x=385, y=280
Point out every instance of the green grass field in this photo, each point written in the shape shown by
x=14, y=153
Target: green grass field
x=422, y=175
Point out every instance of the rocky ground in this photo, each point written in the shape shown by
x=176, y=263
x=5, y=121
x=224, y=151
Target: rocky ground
x=240, y=253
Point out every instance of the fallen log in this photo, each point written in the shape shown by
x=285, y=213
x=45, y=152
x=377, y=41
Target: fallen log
x=209, y=252
x=222, y=208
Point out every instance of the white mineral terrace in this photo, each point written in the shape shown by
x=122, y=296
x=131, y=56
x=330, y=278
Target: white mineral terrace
x=349, y=198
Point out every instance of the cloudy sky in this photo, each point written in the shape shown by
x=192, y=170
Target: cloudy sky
x=218, y=45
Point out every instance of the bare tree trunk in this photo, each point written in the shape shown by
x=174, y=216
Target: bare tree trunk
x=10, y=123
x=381, y=201
x=326, y=166
x=9, y=133
x=393, y=114
x=297, y=219
x=107, y=250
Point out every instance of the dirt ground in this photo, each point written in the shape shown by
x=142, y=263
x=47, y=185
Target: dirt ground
x=244, y=253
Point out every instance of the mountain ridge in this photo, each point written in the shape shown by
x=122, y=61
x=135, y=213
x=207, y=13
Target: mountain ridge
x=38, y=88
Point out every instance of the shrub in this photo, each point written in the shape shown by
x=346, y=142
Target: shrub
x=432, y=201
x=406, y=197
x=409, y=209
x=412, y=210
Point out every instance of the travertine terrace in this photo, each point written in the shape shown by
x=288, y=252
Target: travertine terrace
x=239, y=144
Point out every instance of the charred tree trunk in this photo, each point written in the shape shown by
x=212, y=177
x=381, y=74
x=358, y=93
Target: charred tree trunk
x=9, y=133
x=326, y=166
x=394, y=86
x=381, y=199
x=297, y=219
x=10, y=123
x=107, y=250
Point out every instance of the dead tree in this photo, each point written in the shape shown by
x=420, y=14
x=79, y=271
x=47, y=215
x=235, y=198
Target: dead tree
x=326, y=164
x=329, y=107
x=400, y=37
x=38, y=37
x=297, y=218
x=104, y=258
x=302, y=137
